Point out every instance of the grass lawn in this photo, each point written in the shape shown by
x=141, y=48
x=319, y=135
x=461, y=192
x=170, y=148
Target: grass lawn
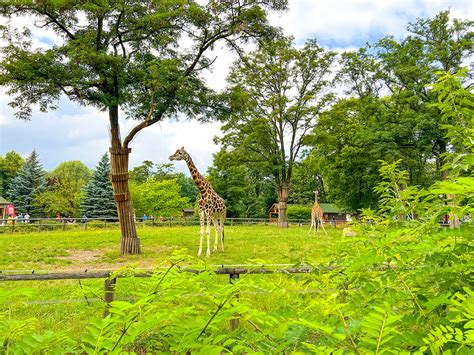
x=433, y=267
x=99, y=250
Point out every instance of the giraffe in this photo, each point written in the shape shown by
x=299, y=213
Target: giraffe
x=211, y=205
x=317, y=214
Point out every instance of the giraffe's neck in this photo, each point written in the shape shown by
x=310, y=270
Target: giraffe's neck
x=199, y=180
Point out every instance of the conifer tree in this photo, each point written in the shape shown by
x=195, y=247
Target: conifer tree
x=98, y=195
x=29, y=182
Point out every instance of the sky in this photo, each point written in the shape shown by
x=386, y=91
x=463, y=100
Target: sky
x=81, y=133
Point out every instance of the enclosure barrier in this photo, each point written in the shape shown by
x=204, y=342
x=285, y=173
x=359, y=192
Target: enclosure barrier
x=48, y=224
x=111, y=276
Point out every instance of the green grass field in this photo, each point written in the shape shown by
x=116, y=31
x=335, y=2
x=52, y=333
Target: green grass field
x=74, y=302
x=99, y=249
x=322, y=311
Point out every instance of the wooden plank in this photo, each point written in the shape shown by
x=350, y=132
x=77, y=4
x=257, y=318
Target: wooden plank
x=106, y=274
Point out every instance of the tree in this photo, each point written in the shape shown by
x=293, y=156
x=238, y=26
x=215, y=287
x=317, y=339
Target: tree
x=161, y=172
x=456, y=105
x=276, y=95
x=246, y=191
x=125, y=55
x=64, y=191
x=28, y=183
x=98, y=198
x=348, y=143
x=155, y=197
x=391, y=115
x=9, y=167
x=141, y=173
x=307, y=178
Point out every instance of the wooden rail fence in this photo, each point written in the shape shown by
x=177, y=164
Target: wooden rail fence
x=111, y=276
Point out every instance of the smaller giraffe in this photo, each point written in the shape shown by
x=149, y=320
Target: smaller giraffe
x=317, y=215
x=211, y=205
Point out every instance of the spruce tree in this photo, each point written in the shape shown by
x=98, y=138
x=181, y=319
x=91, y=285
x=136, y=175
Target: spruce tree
x=29, y=182
x=98, y=198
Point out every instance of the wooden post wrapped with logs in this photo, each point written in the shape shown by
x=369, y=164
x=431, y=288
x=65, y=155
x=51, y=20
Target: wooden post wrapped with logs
x=130, y=243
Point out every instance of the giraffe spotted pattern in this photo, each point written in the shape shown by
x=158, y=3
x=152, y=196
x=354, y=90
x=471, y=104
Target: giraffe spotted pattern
x=211, y=205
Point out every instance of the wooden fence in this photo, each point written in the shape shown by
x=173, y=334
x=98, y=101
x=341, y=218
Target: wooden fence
x=48, y=224
x=111, y=276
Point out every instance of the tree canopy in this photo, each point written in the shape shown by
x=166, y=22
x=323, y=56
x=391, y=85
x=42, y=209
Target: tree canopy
x=98, y=200
x=144, y=57
x=64, y=191
x=276, y=94
x=27, y=184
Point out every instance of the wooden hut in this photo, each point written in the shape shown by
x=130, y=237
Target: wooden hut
x=333, y=213
x=188, y=212
x=273, y=213
x=3, y=203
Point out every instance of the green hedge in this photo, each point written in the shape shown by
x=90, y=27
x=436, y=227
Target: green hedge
x=298, y=212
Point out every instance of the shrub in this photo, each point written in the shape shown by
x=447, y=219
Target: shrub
x=298, y=212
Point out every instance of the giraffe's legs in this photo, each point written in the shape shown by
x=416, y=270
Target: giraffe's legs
x=208, y=235
x=216, y=227
x=221, y=230
x=322, y=226
x=201, y=232
x=311, y=226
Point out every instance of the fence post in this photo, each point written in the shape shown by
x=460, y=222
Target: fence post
x=13, y=226
x=234, y=322
x=109, y=294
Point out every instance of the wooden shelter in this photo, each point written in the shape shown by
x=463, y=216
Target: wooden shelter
x=332, y=212
x=188, y=212
x=3, y=203
x=273, y=213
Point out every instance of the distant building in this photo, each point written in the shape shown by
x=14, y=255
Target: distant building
x=3, y=204
x=332, y=211
x=188, y=212
x=273, y=213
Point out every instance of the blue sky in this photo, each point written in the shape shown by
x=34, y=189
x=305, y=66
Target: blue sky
x=81, y=133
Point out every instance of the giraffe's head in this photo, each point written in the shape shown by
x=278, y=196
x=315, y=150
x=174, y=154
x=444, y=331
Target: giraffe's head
x=180, y=154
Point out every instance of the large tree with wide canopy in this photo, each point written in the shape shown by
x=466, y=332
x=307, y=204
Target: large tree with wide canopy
x=143, y=58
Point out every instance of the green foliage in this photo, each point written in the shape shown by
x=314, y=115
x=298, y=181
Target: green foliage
x=247, y=192
x=407, y=124
x=27, y=184
x=275, y=95
x=157, y=198
x=10, y=165
x=457, y=336
x=161, y=172
x=64, y=190
x=379, y=327
x=456, y=105
x=98, y=200
x=299, y=212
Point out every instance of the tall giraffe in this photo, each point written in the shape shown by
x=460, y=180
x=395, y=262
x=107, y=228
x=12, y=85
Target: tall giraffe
x=211, y=205
x=317, y=215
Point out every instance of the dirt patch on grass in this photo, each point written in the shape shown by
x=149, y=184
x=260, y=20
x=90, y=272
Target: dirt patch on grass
x=104, y=259
x=83, y=256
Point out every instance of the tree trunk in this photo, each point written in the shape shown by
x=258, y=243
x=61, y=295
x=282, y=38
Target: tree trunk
x=282, y=205
x=130, y=243
x=453, y=218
